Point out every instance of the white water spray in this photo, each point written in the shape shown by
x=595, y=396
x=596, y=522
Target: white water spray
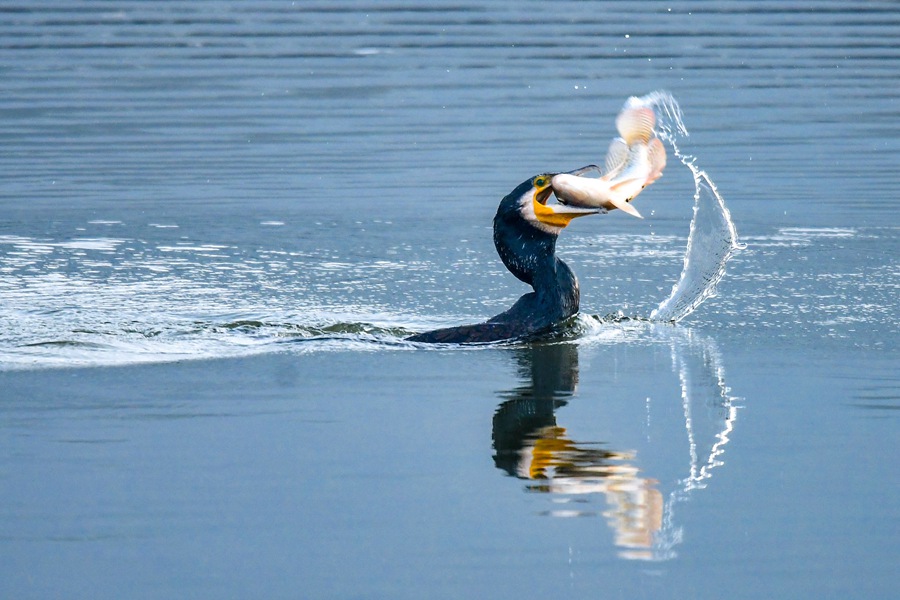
x=712, y=240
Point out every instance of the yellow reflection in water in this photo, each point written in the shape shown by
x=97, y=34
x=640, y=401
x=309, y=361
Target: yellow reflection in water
x=566, y=468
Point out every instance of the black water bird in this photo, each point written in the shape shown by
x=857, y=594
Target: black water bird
x=525, y=233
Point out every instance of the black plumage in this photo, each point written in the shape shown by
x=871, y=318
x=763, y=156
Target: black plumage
x=527, y=248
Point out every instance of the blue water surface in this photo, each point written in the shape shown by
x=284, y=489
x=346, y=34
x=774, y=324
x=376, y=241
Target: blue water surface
x=218, y=220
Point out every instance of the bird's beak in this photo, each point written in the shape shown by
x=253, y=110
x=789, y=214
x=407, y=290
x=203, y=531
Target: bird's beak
x=556, y=215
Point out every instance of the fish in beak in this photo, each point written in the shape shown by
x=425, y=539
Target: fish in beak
x=555, y=215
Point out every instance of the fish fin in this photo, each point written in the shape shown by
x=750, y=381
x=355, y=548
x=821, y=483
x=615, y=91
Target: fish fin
x=625, y=207
x=635, y=124
x=616, y=157
x=617, y=186
x=656, y=153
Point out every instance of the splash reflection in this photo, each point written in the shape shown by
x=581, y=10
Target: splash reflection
x=638, y=492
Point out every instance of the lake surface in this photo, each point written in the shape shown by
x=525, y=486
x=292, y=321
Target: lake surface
x=218, y=220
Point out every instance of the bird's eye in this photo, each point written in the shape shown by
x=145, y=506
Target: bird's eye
x=540, y=181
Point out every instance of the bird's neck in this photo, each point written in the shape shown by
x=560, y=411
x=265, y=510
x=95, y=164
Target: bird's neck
x=558, y=284
x=530, y=255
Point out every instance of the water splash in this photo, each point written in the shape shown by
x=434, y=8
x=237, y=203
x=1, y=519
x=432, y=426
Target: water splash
x=713, y=238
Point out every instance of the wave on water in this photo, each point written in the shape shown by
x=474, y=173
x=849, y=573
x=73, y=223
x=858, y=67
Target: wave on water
x=75, y=338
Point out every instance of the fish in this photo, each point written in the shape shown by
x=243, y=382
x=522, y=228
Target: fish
x=633, y=161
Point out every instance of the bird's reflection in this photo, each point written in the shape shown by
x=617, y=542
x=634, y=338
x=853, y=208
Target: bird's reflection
x=530, y=444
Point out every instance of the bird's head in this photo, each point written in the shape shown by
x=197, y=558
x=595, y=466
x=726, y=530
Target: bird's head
x=526, y=226
x=531, y=201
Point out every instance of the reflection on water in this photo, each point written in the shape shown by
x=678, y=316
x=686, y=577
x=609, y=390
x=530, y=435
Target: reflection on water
x=201, y=180
x=530, y=443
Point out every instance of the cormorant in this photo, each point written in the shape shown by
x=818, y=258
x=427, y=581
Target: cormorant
x=525, y=232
